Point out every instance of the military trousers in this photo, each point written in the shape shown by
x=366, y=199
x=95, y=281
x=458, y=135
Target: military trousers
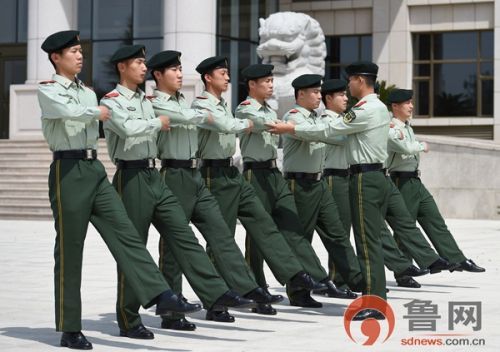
x=149, y=201
x=273, y=192
x=237, y=200
x=202, y=209
x=368, y=196
x=407, y=235
x=317, y=209
x=423, y=208
x=80, y=192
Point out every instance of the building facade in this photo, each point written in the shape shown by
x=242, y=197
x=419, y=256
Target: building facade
x=443, y=49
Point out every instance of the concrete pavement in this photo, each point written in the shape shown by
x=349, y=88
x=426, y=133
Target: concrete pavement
x=27, y=314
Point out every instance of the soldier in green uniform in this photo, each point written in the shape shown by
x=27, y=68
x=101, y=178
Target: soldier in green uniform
x=131, y=135
x=177, y=151
x=259, y=151
x=80, y=192
x=235, y=196
x=403, y=164
x=366, y=126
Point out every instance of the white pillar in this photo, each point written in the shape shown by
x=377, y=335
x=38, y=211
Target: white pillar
x=190, y=27
x=496, y=70
x=392, y=49
x=44, y=18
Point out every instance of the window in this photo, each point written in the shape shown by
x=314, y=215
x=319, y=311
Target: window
x=453, y=74
x=343, y=50
x=105, y=25
x=14, y=21
x=238, y=37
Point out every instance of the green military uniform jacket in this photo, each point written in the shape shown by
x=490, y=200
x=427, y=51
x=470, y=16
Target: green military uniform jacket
x=336, y=150
x=366, y=126
x=403, y=153
x=303, y=152
x=69, y=114
x=132, y=131
x=218, y=139
x=259, y=145
x=181, y=142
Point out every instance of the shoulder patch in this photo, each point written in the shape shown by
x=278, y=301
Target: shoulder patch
x=200, y=97
x=350, y=116
x=293, y=111
x=47, y=82
x=360, y=103
x=246, y=102
x=111, y=95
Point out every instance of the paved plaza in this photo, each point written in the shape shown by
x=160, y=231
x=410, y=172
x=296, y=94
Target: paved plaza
x=27, y=314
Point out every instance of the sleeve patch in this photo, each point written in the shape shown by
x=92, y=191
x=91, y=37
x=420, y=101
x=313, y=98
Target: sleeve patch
x=350, y=116
x=47, y=82
x=112, y=95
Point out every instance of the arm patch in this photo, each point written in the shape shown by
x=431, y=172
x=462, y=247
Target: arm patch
x=350, y=116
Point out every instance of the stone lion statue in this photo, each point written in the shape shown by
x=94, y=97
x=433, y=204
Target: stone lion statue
x=295, y=44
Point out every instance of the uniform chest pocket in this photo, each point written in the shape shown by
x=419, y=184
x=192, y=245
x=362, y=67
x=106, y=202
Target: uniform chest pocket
x=67, y=97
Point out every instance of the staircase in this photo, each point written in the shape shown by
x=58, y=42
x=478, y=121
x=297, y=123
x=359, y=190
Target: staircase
x=24, y=170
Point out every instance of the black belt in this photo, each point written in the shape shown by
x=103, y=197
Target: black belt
x=336, y=172
x=182, y=164
x=406, y=174
x=84, y=154
x=268, y=164
x=360, y=168
x=136, y=164
x=217, y=162
x=316, y=176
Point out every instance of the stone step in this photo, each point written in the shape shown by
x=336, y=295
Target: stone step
x=25, y=199
x=26, y=208
x=13, y=215
x=25, y=191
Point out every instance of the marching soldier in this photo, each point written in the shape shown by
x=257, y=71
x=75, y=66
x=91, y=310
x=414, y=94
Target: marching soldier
x=403, y=164
x=259, y=152
x=236, y=197
x=177, y=150
x=80, y=192
x=366, y=126
x=131, y=135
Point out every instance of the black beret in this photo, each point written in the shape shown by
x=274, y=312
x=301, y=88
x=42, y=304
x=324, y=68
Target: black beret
x=128, y=52
x=257, y=71
x=333, y=85
x=362, y=68
x=399, y=95
x=307, y=81
x=164, y=59
x=60, y=40
x=212, y=63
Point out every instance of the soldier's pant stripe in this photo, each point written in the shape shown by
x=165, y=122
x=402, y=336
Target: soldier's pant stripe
x=122, y=311
x=61, y=245
x=330, y=183
x=208, y=178
x=363, y=235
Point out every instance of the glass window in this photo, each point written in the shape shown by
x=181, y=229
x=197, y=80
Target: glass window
x=13, y=21
x=343, y=50
x=112, y=19
x=457, y=70
x=148, y=16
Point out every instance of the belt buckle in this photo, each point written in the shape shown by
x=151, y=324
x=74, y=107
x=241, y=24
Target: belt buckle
x=231, y=162
x=88, y=154
x=419, y=173
x=194, y=163
x=273, y=164
x=318, y=176
x=151, y=163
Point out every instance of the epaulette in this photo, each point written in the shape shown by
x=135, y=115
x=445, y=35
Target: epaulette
x=111, y=95
x=150, y=97
x=201, y=97
x=360, y=103
x=246, y=102
x=47, y=82
x=293, y=111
